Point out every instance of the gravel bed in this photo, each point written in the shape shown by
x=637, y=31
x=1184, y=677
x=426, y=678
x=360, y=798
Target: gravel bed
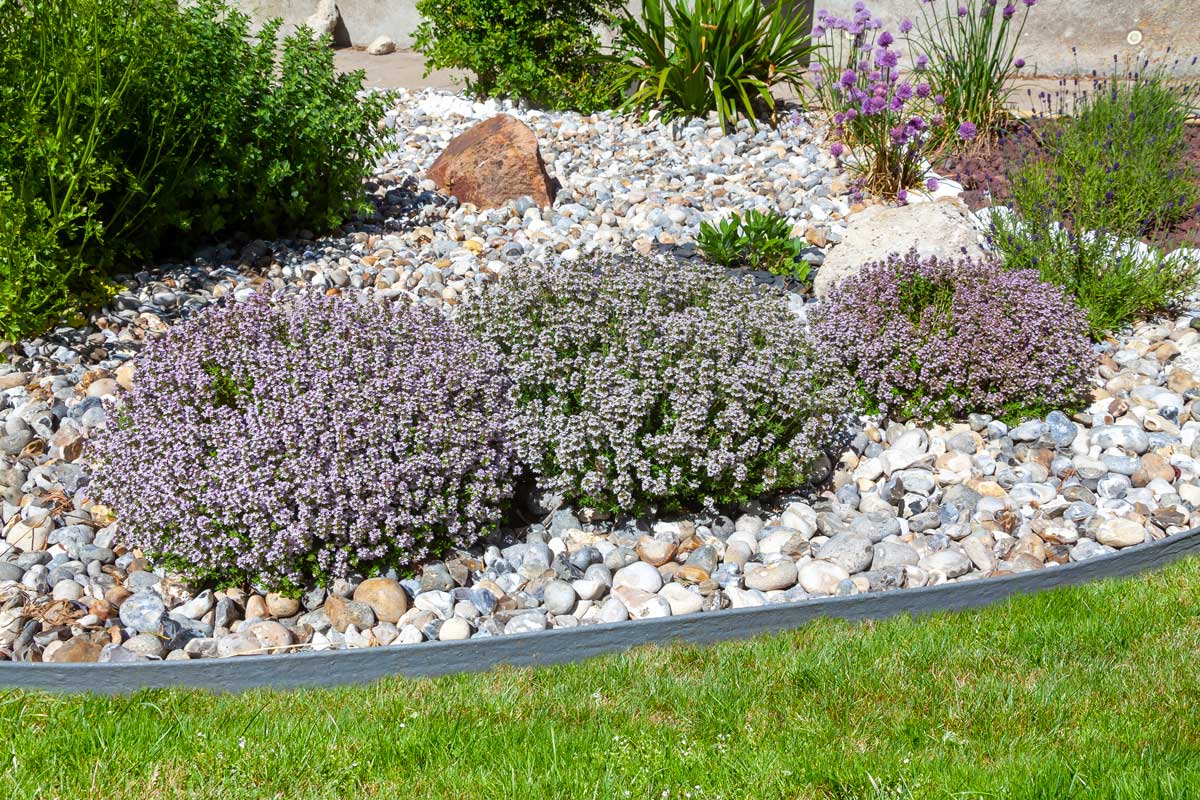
x=903, y=506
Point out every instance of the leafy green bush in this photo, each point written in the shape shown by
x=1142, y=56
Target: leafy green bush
x=759, y=240
x=130, y=129
x=34, y=274
x=1119, y=164
x=543, y=51
x=1114, y=280
x=686, y=58
x=1115, y=172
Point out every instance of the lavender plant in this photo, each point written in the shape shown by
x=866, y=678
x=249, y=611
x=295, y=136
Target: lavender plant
x=936, y=340
x=311, y=438
x=651, y=383
x=879, y=114
x=969, y=47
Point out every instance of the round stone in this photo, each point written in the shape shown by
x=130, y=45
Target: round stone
x=282, y=607
x=779, y=574
x=951, y=563
x=455, y=629
x=146, y=644
x=821, y=577
x=143, y=612
x=385, y=596
x=272, y=635
x=681, y=599
x=559, y=597
x=1121, y=533
x=638, y=575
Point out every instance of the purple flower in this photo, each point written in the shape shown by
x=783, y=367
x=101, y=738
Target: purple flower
x=310, y=438
x=1009, y=10
x=904, y=91
x=1019, y=63
x=962, y=11
x=922, y=62
x=887, y=59
x=923, y=90
x=1029, y=3
x=849, y=78
x=885, y=39
x=936, y=120
x=939, y=99
x=905, y=25
x=967, y=131
x=931, y=184
x=836, y=149
x=902, y=197
x=999, y=339
x=645, y=381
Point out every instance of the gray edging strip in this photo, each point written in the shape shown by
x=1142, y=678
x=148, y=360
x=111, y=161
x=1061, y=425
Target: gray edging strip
x=334, y=667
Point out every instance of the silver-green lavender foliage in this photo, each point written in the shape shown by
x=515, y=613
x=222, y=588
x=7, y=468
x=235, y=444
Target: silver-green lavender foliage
x=316, y=437
x=646, y=383
x=936, y=340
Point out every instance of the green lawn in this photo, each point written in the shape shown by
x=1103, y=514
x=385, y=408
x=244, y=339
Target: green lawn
x=1088, y=692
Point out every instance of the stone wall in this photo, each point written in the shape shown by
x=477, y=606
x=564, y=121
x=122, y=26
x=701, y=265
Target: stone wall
x=1064, y=37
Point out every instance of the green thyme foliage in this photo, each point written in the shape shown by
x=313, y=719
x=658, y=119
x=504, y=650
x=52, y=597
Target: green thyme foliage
x=542, y=51
x=760, y=240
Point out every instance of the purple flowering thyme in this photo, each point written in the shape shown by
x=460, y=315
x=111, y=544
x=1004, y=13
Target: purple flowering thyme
x=643, y=382
x=936, y=340
x=314, y=438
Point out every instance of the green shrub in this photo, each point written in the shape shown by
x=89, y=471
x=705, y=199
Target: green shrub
x=1115, y=173
x=1119, y=164
x=759, y=240
x=542, y=51
x=1113, y=280
x=35, y=279
x=686, y=58
x=127, y=130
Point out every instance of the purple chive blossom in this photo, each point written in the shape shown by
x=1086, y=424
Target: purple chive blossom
x=922, y=62
x=931, y=184
x=1009, y=10
x=904, y=91
x=939, y=99
x=312, y=438
x=906, y=25
x=967, y=131
x=936, y=120
x=1004, y=339
x=818, y=31
x=885, y=39
x=648, y=381
x=923, y=90
x=849, y=78
x=1029, y=3
x=1019, y=63
x=836, y=149
x=902, y=197
x=962, y=11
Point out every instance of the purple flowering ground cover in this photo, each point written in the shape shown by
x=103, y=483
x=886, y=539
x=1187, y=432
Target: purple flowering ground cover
x=652, y=383
x=313, y=438
x=935, y=340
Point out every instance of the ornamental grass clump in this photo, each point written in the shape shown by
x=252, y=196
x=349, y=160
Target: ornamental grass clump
x=645, y=383
x=313, y=438
x=936, y=340
x=969, y=49
x=880, y=112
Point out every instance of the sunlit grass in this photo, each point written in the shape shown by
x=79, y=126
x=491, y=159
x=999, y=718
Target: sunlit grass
x=1087, y=692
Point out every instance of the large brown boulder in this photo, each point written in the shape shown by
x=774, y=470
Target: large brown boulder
x=493, y=162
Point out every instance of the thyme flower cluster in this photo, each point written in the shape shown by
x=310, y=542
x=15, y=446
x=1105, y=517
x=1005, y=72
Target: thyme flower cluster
x=316, y=437
x=646, y=383
x=935, y=340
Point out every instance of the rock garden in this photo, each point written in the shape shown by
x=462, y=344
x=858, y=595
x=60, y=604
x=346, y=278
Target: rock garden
x=429, y=366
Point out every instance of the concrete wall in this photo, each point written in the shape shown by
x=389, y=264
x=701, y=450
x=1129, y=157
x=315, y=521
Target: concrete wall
x=1097, y=29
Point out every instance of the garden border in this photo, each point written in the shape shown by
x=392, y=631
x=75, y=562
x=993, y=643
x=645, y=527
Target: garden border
x=338, y=667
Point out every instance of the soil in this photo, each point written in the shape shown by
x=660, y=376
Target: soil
x=984, y=174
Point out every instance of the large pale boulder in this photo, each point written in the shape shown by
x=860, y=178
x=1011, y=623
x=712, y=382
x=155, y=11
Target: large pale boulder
x=942, y=228
x=494, y=161
x=324, y=19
